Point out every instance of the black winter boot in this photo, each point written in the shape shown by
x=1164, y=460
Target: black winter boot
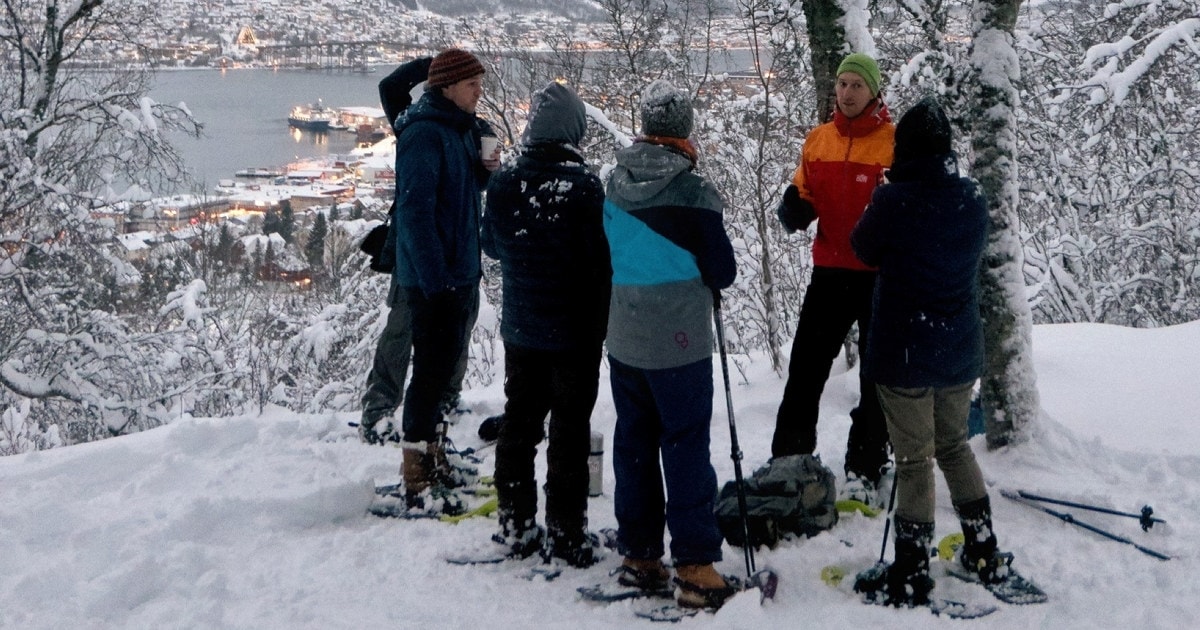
x=906, y=581
x=517, y=513
x=567, y=537
x=576, y=546
x=980, y=554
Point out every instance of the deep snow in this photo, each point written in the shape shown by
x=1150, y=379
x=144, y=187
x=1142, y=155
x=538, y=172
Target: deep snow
x=259, y=522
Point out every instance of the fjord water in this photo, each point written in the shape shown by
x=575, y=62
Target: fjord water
x=244, y=113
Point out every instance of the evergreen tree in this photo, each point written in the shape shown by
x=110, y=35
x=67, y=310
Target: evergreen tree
x=314, y=250
x=287, y=222
x=254, y=267
x=224, y=250
x=269, y=270
x=271, y=223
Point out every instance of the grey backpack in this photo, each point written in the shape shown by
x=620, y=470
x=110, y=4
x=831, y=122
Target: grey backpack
x=789, y=496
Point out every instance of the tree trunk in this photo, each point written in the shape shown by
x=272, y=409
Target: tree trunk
x=1008, y=387
x=827, y=39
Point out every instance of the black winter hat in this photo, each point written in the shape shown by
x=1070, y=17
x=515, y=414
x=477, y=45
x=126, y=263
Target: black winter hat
x=666, y=111
x=923, y=131
x=555, y=115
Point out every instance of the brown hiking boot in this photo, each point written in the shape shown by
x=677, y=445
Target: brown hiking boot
x=423, y=489
x=416, y=471
x=450, y=469
x=700, y=586
x=648, y=575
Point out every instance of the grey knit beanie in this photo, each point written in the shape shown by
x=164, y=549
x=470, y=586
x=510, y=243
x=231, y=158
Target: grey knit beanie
x=666, y=111
x=555, y=115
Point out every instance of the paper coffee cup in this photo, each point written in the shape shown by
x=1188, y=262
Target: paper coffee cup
x=490, y=145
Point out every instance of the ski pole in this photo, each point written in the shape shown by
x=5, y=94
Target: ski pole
x=1147, y=521
x=735, y=450
x=887, y=523
x=1072, y=520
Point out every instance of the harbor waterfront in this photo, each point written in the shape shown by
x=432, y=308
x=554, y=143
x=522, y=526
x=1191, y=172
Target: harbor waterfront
x=245, y=111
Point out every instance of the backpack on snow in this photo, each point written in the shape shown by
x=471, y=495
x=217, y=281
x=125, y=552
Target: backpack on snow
x=790, y=496
x=395, y=94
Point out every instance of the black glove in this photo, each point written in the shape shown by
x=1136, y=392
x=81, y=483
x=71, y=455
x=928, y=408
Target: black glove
x=795, y=212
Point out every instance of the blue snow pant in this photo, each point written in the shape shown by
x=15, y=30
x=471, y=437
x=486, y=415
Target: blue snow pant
x=668, y=413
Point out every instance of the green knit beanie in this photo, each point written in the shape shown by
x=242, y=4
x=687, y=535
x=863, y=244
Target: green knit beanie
x=865, y=67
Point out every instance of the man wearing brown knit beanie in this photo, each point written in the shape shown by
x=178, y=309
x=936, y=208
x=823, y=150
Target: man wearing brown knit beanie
x=440, y=175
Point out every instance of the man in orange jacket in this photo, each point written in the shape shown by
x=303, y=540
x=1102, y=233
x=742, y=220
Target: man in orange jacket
x=840, y=165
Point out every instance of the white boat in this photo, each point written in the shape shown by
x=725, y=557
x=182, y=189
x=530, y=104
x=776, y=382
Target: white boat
x=258, y=173
x=315, y=117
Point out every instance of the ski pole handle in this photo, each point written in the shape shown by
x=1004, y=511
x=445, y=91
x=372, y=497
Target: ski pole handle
x=1144, y=518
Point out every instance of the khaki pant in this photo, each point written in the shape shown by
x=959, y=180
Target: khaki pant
x=927, y=423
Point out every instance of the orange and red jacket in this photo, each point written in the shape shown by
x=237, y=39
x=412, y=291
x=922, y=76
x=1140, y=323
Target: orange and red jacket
x=840, y=164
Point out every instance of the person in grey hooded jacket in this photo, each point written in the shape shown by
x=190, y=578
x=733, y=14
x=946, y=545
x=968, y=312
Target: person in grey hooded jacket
x=670, y=255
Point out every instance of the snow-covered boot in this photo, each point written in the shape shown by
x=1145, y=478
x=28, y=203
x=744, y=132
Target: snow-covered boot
x=980, y=554
x=450, y=468
x=860, y=488
x=700, y=586
x=424, y=489
x=516, y=512
x=520, y=537
x=576, y=546
x=377, y=428
x=567, y=536
x=906, y=581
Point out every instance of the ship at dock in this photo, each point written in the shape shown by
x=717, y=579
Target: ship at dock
x=314, y=117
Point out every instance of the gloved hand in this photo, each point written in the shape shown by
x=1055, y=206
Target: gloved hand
x=795, y=212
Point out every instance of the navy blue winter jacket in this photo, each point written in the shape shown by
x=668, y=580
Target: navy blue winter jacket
x=544, y=223
x=925, y=231
x=439, y=181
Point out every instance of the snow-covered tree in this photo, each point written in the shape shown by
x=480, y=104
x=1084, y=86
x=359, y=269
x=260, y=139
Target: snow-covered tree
x=633, y=33
x=1008, y=387
x=750, y=138
x=72, y=140
x=1111, y=199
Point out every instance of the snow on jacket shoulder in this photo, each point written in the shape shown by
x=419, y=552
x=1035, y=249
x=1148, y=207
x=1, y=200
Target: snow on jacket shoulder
x=543, y=223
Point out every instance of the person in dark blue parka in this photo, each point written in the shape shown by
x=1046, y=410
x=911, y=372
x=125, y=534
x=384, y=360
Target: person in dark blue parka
x=543, y=221
x=440, y=177
x=925, y=230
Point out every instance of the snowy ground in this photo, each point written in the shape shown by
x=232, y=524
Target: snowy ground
x=259, y=523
